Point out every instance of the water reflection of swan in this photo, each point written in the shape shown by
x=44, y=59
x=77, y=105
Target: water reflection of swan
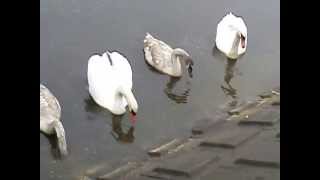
x=229, y=74
x=178, y=98
x=91, y=106
x=50, y=124
x=118, y=133
x=117, y=129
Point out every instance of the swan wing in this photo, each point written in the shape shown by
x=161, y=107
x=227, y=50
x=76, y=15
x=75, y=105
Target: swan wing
x=99, y=69
x=101, y=79
x=161, y=54
x=122, y=69
x=49, y=105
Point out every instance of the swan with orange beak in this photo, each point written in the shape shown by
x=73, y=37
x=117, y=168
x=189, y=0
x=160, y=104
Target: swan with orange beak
x=232, y=37
x=110, y=83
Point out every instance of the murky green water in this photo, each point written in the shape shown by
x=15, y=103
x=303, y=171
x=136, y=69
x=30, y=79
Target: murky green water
x=71, y=31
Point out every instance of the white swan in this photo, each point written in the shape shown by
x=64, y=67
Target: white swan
x=50, y=112
x=110, y=82
x=165, y=59
x=231, y=37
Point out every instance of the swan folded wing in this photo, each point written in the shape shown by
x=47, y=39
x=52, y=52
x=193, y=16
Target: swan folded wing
x=236, y=22
x=161, y=54
x=98, y=68
x=156, y=54
x=241, y=26
x=164, y=46
x=100, y=62
x=225, y=37
x=122, y=68
x=99, y=73
x=49, y=103
x=47, y=111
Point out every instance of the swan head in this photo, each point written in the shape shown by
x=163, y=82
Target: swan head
x=189, y=64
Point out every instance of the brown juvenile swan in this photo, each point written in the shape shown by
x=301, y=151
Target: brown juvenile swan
x=165, y=59
x=50, y=112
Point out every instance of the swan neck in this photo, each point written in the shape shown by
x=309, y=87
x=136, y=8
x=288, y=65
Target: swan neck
x=180, y=52
x=61, y=137
x=175, y=64
x=235, y=45
x=131, y=100
x=175, y=58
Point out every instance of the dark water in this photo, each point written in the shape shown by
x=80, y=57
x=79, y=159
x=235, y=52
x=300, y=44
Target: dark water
x=71, y=31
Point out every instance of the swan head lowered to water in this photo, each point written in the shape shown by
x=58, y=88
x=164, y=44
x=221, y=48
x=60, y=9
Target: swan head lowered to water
x=231, y=37
x=110, y=83
x=163, y=58
x=50, y=112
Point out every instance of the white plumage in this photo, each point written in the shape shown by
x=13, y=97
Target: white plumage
x=231, y=37
x=110, y=82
